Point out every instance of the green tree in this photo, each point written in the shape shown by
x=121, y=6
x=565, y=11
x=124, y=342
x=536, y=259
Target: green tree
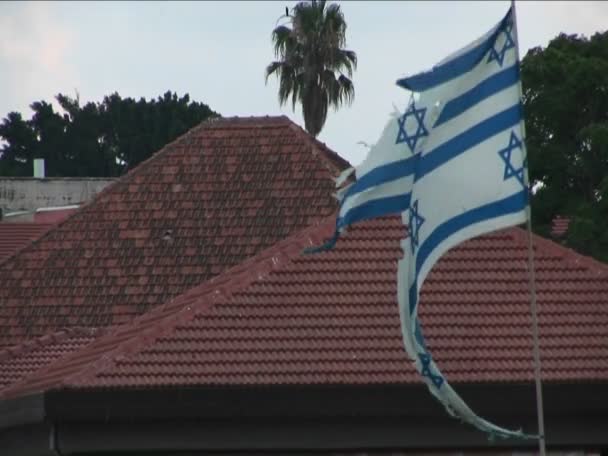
x=311, y=61
x=565, y=89
x=96, y=139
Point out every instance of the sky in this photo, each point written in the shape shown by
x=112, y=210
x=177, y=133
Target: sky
x=217, y=52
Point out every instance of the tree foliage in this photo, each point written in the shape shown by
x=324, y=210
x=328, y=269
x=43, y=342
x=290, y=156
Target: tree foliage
x=97, y=139
x=312, y=66
x=566, y=107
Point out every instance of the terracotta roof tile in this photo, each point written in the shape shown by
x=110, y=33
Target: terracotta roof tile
x=53, y=216
x=216, y=196
x=15, y=236
x=18, y=362
x=287, y=318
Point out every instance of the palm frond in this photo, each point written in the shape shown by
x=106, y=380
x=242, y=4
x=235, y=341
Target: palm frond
x=334, y=26
x=343, y=60
x=296, y=93
x=312, y=66
x=273, y=68
x=283, y=39
x=286, y=83
x=340, y=91
x=347, y=90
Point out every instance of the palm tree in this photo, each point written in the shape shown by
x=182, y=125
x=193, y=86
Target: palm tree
x=311, y=61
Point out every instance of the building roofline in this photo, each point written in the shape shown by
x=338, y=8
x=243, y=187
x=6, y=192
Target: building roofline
x=214, y=121
x=124, y=340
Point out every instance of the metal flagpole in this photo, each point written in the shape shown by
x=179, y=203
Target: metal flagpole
x=531, y=275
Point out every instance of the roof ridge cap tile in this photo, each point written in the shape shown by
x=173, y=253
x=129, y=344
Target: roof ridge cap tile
x=330, y=157
x=249, y=121
x=17, y=350
x=49, y=227
x=239, y=277
x=223, y=284
x=128, y=176
x=312, y=234
x=5, y=223
x=53, y=337
x=565, y=254
x=269, y=260
x=116, y=183
x=57, y=336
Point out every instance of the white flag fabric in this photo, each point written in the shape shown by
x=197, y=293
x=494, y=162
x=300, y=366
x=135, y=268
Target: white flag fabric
x=383, y=181
x=469, y=179
x=453, y=165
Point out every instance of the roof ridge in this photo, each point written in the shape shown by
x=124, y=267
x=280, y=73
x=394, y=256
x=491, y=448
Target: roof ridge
x=149, y=200
x=155, y=156
x=99, y=363
x=56, y=336
x=330, y=154
x=217, y=290
x=145, y=328
x=27, y=223
x=49, y=227
x=566, y=254
x=243, y=268
x=249, y=119
x=118, y=181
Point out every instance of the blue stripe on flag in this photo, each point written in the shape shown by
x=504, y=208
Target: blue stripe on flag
x=418, y=335
x=508, y=205
x=452, y=68
x=375, y=208
x=381, y=175
x=413, y=296
x=480, y=92
x=370, y=209
x=468, y=139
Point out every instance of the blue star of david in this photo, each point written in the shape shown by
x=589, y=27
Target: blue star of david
x=421, y=131
x=416, y=221
x=426, y=370
x=505, y=154
x=499, y=56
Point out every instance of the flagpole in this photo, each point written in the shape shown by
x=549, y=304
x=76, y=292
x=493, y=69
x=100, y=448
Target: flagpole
x=532, y=279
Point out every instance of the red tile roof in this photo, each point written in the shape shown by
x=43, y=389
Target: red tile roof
x=53, y=216
x=287, y=318
x=15, y=236
x=559, y=226
x=216, y=196
x=23, y=360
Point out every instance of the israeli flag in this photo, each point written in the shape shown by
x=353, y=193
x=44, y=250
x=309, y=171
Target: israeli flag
x=382, y=182
x=453, y=164
x=469, y=178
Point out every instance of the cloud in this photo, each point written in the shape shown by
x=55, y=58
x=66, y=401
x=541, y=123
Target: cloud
x=581, y=17
x=539, y=22
x=217, y=51
x=34, y=55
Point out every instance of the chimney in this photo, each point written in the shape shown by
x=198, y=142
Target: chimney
x=559, y=226
x=39, y=168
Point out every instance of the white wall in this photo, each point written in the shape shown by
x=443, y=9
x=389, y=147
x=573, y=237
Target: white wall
x=28, y=193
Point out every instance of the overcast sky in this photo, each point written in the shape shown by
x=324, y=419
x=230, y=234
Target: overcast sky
x=217, y=52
